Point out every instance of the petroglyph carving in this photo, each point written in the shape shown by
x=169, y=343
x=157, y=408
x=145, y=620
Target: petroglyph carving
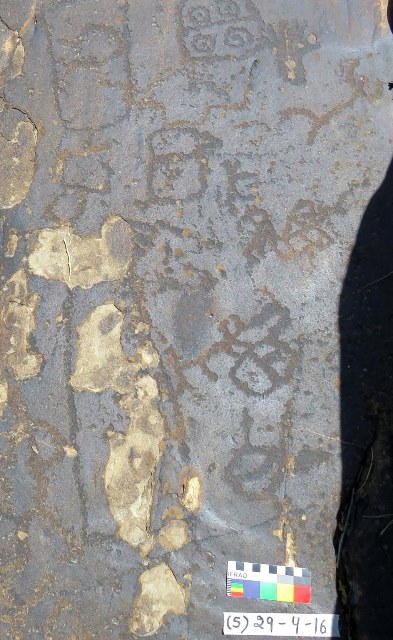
x=179, y=163
x=263, y=359
x=256, y=471
x=296, y=42
x=223, y=29
x=303, y=233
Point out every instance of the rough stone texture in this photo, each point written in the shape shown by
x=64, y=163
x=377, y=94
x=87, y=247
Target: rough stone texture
x=18, y=139
x=182, y=184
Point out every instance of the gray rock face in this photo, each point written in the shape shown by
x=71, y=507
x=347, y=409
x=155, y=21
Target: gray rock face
x=182, y=184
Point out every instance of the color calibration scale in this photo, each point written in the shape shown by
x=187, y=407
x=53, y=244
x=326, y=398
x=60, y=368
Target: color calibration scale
x=268, y=582
x=284, y=625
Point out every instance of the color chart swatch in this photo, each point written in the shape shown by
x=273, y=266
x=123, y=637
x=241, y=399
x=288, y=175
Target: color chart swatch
x=268, y=582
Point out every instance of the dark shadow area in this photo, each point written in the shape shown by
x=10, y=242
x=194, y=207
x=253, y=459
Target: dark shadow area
x=364, y=537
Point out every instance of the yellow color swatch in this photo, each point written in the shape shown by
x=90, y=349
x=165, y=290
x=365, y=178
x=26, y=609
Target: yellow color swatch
x=285, y=592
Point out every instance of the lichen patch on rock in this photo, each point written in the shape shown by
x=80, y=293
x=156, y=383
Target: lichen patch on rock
x=101, y=363
x=17, y=61
x=60, y=254
x=70, y=452
x=130, y=472
x=12, y=53
x=12, y=244
x=17, y=321
x=174, y=535
x=3, y=395
x=191, y=489
x=160, y=594
x=174, y=511
x=18, y=139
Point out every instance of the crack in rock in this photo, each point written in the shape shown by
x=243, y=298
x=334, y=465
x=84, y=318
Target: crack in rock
x=18, y=140
x=60, y=254
x=12, y=53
